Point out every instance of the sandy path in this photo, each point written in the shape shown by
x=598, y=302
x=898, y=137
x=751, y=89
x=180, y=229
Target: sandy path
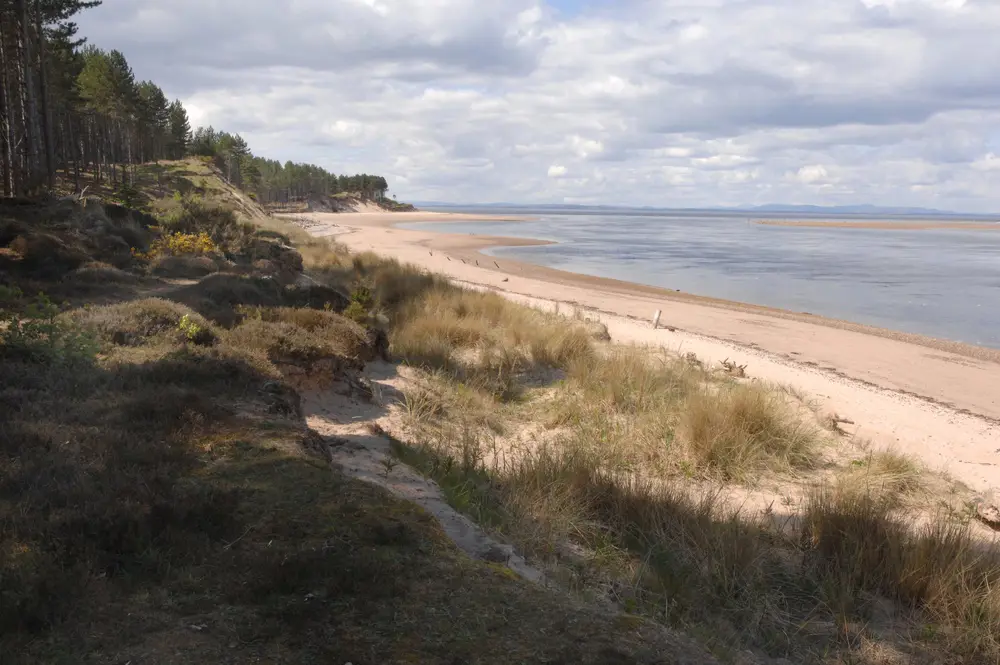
x=345, y=422
x=936, y=400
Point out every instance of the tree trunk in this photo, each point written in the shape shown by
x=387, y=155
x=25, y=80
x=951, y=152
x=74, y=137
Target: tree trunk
x=29, y=108
x=72, y=148
x=50, y=169
x=6, y=127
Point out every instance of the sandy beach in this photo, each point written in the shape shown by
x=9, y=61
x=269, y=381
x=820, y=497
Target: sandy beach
x=936, y=400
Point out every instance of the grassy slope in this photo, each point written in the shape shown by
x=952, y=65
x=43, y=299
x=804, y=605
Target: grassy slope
x=161, y=499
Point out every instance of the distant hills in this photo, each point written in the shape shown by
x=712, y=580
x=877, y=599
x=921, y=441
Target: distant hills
x=776, y=208
x=846, y=210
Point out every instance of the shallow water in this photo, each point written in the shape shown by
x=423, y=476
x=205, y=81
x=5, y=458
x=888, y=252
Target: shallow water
x=941, y=283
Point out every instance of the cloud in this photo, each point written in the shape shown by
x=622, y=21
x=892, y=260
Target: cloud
x=811, y=175
x=988, y=162
x=665, y=102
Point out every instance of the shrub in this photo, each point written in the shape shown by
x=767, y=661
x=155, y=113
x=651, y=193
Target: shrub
x=363, y=296
x=285, y=342
x=194, y=332
x=217, y=297
x=356, y=312
x=32, y=328
x=184, y=267
x=179, y=244
x=195, y=215
x=145, y=322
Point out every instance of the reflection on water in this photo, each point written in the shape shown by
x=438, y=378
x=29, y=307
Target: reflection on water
x=943, y=283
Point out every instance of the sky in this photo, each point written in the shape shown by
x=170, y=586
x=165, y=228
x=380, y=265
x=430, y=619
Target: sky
x=673, y=103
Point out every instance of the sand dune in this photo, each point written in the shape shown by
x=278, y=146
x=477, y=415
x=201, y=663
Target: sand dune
x=934, y=399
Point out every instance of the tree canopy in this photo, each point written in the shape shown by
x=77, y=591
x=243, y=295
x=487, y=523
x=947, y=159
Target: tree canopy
x=74, y=108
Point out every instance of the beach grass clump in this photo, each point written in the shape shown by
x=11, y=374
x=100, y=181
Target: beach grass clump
x=642, y=409
x=860, y=543
x=484, y=340
x=887, y=473
x=739, y=430
x=632, y=379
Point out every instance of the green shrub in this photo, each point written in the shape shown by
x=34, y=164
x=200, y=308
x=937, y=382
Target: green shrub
x=32, y=329
x=356, y=312
x=195, y=333
x=363, y=297
x=130, y=196
x=196, y=215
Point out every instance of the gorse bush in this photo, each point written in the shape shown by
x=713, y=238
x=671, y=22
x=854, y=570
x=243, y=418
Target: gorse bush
x=356, y=312
x=363, y=296
x=197, y=215
x=194, y=332
x=180, y=244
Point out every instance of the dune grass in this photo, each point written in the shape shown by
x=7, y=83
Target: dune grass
x=599, y=493
x=739, y=430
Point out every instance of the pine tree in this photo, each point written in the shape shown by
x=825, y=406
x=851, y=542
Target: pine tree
x=179, y=134
x=66, y=106
x=153, y=120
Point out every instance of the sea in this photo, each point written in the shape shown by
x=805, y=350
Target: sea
x=939, y=283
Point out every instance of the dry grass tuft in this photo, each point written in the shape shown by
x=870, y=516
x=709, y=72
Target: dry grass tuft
x=884, y=473
x=860, y=542
x=484, y=340
x=740, y=430
x=633, y=380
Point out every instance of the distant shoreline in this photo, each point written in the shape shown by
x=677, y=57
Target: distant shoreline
x=875, y=224
x=470, y=247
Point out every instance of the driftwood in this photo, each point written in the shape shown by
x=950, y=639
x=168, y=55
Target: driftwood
x=732, y=369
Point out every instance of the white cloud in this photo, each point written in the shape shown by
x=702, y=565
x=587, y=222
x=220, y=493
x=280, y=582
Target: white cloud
x=721, y=161
x=675, y=102
x=811, y=175
x=988, y=162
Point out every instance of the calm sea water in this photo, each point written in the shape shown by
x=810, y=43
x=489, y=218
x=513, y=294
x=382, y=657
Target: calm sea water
x=934, y=282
